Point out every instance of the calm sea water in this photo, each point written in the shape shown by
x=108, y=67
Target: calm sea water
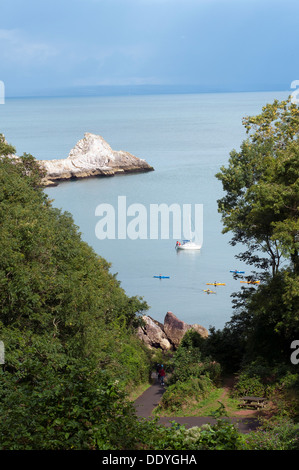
x=186, y=138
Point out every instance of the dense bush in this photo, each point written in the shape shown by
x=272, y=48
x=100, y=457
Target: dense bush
x=75, y=407
x=250, y=385
x=190, y=360
x=193, y=375
x=67, y=326
x=282, y=434
x=279, y=382
x=219, y=436
x=179, y=394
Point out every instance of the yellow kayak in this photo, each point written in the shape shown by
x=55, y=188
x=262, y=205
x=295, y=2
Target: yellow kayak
x=216, y=284
x=250, y=282
x=208, y=291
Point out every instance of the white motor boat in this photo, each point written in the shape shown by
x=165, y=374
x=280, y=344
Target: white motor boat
x=190, y=244
x=187, y=245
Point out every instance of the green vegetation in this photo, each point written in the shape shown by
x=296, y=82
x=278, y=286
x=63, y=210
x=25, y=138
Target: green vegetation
x=260, y=207
x=192, y=378
x=261, y=203
x=68, y=328
x=72, y=356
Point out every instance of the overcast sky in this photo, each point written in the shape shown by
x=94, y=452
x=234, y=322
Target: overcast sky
x=213, y=44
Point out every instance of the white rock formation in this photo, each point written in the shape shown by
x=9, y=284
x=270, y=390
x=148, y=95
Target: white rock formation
x=92, y=156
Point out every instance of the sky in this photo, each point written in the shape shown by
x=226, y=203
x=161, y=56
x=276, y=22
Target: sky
x=208, y=45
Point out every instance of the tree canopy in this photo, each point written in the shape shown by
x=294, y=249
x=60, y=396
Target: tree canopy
x=261, y=183
x=260, y=207
x=67, y=325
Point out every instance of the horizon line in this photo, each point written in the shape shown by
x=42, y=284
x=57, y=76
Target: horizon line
x=142, y=89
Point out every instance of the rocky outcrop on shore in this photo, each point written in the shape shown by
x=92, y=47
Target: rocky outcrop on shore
x=91, y=156
x=166, y=336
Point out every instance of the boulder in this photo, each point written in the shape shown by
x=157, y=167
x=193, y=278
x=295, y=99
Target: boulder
x=91, y=156
x=169, y=335
x=200, y=330
x=175, y=329
x=152, y=334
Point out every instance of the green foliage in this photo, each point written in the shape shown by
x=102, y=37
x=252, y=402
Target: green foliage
x=5, y=148
x=227, y=347
x=190, y=360
x=67, y=326
x=181, y=393
x=279, y=434
x=50, y=279
x=193, y=374
x=278, y=382
x=273, y=311
x=282, y=434
x=186, y=363
x=152, y=436
x=250, y=386
x=260, y=208
x=219, y=436
x=261, y=183
x=74, y=407
x=124, y=357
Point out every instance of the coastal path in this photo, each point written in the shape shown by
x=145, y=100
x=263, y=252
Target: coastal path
x=149, y=400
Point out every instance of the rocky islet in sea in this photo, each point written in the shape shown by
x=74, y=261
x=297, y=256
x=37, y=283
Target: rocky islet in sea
x=91, y=156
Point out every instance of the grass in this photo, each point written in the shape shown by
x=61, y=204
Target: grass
x=206, y=407
x=212, y=403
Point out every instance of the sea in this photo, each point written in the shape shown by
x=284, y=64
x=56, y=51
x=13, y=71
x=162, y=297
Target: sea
x=186, y=138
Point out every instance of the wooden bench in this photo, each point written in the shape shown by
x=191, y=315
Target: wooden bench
x=253, y=402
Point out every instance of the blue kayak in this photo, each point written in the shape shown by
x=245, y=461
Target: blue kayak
x=162, y=277
x=238, y=272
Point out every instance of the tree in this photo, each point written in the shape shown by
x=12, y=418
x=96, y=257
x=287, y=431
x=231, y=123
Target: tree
x=261, y=183
x=67, y=325
x=5, y=148
x=260, y=208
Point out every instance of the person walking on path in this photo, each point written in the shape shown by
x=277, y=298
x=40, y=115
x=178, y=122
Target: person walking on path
x=162, y=375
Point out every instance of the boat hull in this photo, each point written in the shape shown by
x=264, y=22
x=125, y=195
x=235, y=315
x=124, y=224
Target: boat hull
x=188, y=246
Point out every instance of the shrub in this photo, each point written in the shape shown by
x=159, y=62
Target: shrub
x=250, y=386
x=180, y=393
x=282, y=434
x=67, y=325
x=220, y=436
